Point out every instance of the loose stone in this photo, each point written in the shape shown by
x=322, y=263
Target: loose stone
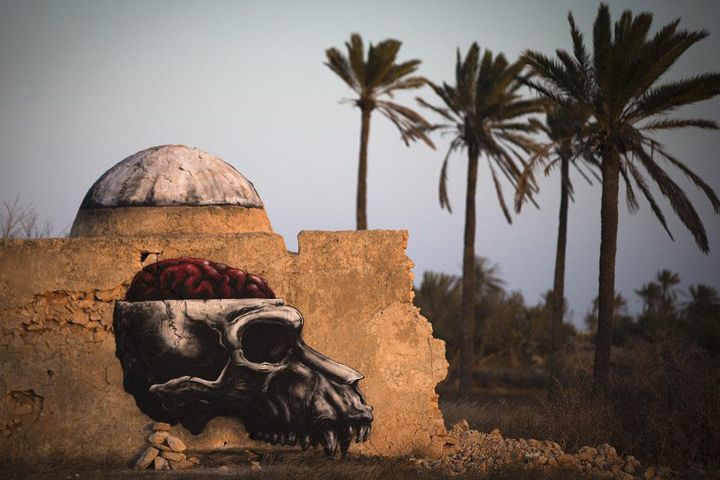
x=161, y=463
x=176, y=444
x=146, y=458
x=158, y=437
x=161, y=427
x=174, y=456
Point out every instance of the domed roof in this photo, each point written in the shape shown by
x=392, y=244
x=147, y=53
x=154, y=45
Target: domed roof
x=171, y=175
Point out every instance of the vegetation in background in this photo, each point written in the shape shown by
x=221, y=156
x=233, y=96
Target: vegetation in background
x=374, y=80
x=18, y=220
x=506, y=327
x=620, y=87
x=486, y=114
x=662, y=403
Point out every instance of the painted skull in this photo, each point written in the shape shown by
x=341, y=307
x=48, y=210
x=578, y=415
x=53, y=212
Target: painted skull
x=190, y=360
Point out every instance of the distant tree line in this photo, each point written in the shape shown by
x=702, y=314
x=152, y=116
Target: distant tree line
x=520, y=333
x=694, y=315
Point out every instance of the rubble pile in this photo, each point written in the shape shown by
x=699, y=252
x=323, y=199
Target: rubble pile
x=488, y=452
x=166, y=452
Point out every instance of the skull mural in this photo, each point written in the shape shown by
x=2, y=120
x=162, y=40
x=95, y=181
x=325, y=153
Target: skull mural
x=188, y=357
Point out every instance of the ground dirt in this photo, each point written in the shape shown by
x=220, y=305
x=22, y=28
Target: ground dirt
x=285, y=466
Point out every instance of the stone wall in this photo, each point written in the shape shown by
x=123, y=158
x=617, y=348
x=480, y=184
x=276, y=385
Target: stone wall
x=61, y=392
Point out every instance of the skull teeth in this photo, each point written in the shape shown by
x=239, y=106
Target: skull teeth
x=330, y=438
x=330, y=442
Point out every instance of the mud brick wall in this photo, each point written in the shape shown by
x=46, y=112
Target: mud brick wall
x=61, y=392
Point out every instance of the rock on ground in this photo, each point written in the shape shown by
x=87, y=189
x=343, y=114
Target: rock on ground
x=147, y=458
x=489, y=452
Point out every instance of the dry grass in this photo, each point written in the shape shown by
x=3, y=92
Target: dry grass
x=290, y=467
x=662, y=406
x=516, y=413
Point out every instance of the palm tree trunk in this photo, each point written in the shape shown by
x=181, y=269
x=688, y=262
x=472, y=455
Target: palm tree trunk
x=608, y=249
x=361, y=205
x=468, y=286
x=558, y=298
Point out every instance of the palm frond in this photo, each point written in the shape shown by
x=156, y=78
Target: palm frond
x=667, y=97
x=521, y=108
x=699, y=182
x=586, y=176
x=602, y=45
x=664, y=124
x=380, y=61
x=403, y=84
x=677, y=198
x=439, y=110
x=396, y=72
x=630, y=198
x=356, y=54
x=339, y=64
x=551, y=166
x=527, y=175
x=552, y=73
x=466, y=78
x=642, y=185
x=579, y=50
x=500, y=196
x=661, y=52
x=412, y=125
x=442, y=187
x=547, y=92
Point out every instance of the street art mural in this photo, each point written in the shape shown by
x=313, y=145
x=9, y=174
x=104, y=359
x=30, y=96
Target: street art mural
x=198, y=340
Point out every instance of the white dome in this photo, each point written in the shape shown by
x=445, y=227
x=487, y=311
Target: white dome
x=171, y=175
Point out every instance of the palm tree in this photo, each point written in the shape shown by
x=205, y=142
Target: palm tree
x=703, y=299
x=702, y=317
x=438, y=298
x=619, y=308
x=484, y=113
x=373, y=80
x=563, y=126
x=620, y=87
x=667, y=281
x=652, y=297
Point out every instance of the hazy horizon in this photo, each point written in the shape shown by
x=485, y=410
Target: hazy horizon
x=84, y=84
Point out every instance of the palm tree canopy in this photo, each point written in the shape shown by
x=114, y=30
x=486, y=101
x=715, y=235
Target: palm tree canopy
x=651, y=295
x=621, y=85
x=484, y=112
x=703, y=298
x=378, y=76
x=564, y=126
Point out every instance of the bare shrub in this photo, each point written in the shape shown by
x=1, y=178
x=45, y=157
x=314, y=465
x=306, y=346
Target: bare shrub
x=577, y=417
x=19, y=220
x=516, y=416
x=662, y=406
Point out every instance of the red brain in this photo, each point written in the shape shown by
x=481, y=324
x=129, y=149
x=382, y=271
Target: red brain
x=194, y=278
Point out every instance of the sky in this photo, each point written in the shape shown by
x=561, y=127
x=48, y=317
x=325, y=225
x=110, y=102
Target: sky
x=84, y=84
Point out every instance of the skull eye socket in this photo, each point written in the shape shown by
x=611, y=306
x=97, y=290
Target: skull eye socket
x=266, y=342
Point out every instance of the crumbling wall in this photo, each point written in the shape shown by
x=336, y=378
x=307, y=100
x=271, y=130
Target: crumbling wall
x=61, y=389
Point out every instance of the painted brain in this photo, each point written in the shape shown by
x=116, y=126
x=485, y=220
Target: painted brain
x=194, y=278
